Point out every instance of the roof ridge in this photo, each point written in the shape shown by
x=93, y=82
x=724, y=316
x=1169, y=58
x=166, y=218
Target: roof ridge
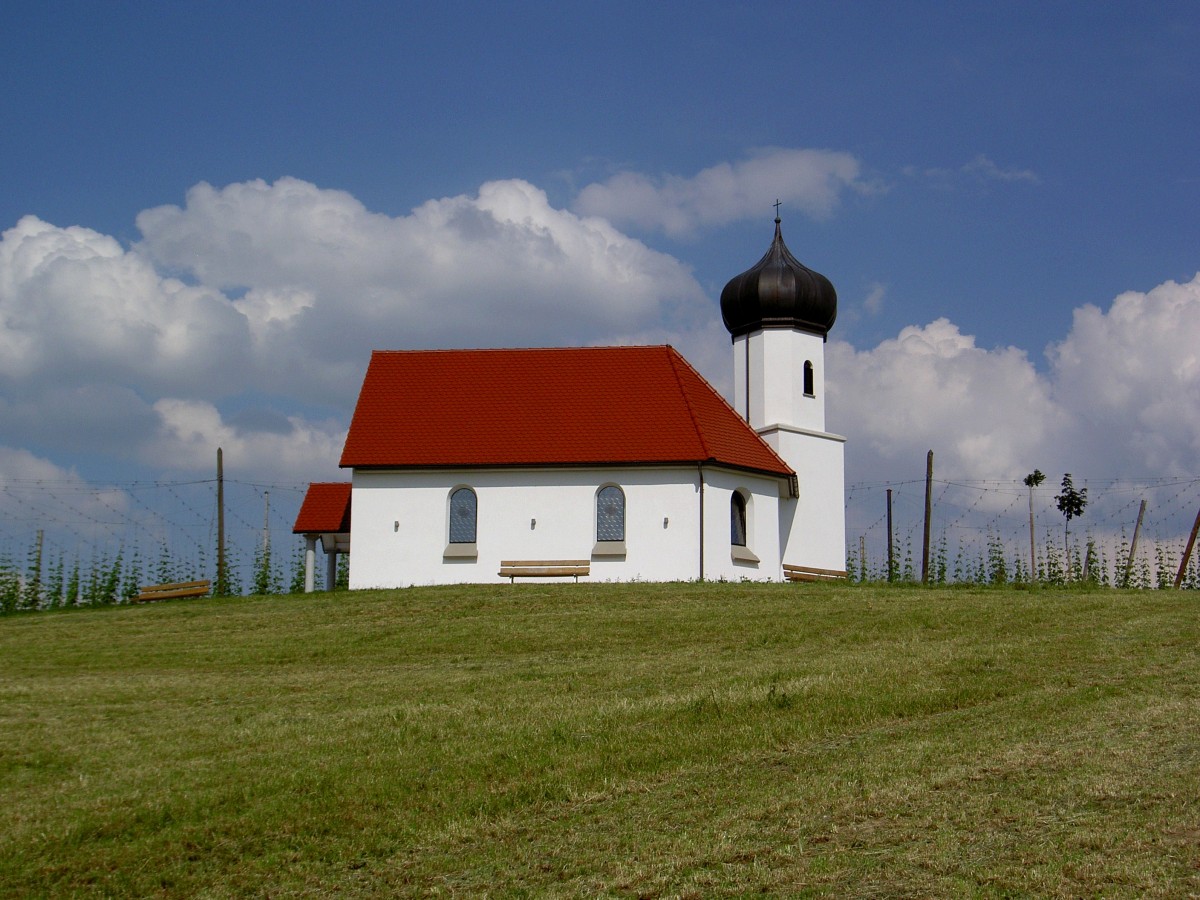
x=672, y=356
x=590, y=347
x=687, y=400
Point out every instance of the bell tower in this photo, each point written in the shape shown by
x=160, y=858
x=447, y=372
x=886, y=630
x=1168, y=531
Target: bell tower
x=778, y=314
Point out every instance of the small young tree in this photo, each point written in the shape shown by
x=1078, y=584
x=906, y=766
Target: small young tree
x=1032, y=480
x=1070, y=503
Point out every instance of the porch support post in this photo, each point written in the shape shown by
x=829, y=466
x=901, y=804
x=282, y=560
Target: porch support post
x=310, y=562
x=331, y=559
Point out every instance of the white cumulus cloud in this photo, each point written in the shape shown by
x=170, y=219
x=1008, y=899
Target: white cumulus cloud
x=189, y=431
x=244, y=319
x=985, y=413
x=75, y=307
x=37, y=490
x=1132, y=374
x=810, y=180
x=1120, y=396
x=981, y=169
x=327, y=279
x=279, y=292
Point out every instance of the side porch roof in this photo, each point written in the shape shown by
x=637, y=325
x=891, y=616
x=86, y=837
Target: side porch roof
x=325, y=509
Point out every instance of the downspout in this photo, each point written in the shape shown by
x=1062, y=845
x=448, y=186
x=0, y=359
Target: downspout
x=700, y=475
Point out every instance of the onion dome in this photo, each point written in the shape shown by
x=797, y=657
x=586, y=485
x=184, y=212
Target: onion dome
x=779, y=292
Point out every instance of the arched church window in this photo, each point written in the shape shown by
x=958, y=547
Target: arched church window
x=809, y=390
x=464, y=510
x=610, y=514
x=737, y=519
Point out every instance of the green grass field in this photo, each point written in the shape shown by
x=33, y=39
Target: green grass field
x=606, y=740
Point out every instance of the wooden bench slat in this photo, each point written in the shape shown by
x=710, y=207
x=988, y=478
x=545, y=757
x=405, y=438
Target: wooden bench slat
x=802, y=576
x=544, y=568
x=545, y=571
x=812, y=570
x=172, y=590
x=810, y=573
x=170, y=595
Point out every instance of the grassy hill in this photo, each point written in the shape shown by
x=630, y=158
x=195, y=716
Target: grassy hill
x=623, y=740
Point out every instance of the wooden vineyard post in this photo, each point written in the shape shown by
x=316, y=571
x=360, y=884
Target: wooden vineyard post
x=891, y=557
x=928, y=516
x=1187, y=552
x=222, y=587
x=1133, y=546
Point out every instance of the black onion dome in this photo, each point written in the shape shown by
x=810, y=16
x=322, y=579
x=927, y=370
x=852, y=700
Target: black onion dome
x=779, y=292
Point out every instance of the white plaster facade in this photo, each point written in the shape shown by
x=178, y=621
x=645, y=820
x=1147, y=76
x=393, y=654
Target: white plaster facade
x=400, y=523
x=779, y=389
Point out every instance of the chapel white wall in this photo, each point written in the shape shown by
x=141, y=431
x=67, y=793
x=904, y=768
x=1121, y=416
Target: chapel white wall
x=769, y=394
x=813, y=526
x=762, y=526
x=768, y=377
x=399, y=522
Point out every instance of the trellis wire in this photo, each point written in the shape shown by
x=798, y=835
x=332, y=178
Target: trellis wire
x=169, y=526
x=986, y=522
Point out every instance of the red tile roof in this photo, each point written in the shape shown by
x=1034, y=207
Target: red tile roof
x=571, y=406
x=325, y=510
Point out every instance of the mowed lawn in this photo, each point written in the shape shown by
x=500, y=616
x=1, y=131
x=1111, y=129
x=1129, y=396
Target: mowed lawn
x=606, y=740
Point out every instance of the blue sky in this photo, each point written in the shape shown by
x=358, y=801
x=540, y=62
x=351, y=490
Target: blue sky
x=114, y=108
x=267, y=192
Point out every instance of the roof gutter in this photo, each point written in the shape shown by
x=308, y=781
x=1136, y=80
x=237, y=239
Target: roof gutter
x=597, y=464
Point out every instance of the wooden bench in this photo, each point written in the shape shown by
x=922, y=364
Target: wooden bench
x=513, y=569
x=808, y=573
x=172, y=590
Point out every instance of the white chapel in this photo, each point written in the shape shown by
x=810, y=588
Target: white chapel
x=598, y=463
